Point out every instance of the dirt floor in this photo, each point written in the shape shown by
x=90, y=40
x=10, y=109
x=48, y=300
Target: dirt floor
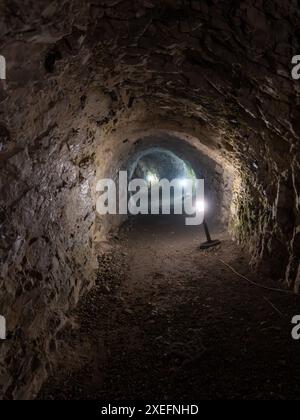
x=168, y=321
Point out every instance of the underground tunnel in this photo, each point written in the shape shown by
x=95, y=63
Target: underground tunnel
x=128, y=307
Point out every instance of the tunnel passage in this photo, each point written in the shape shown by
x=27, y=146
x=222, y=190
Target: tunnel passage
x=85, y=81
x=161, y=153
x=157, y=165
x=154, y=164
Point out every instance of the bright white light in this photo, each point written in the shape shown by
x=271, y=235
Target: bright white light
x=200, y=206
x=152, y=179
x=183, y=182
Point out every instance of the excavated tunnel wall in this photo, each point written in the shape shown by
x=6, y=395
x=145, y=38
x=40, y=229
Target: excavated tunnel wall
x=84, y=82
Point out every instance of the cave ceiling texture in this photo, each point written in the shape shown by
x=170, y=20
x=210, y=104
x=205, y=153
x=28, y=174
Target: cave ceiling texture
x=90, y=84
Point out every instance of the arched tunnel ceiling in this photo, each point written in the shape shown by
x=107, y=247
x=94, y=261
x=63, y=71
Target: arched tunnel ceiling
x=78, y=72
x=226, y=64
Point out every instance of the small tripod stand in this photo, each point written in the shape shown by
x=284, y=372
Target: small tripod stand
x=209, y=243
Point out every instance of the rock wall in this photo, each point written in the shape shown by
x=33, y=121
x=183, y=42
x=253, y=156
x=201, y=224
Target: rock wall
x=84, y=80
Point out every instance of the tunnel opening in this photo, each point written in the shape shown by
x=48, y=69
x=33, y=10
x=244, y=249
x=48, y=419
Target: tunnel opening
x=156, y=166
x=156, y=154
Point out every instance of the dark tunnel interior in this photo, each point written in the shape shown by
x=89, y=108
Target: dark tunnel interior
x=116, y=305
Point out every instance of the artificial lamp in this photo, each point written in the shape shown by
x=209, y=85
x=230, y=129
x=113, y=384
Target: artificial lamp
x=210, y=243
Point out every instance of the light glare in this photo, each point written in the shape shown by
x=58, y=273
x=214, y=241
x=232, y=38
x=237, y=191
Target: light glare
x=152, y=179
x=200, y=206
x=183, y=182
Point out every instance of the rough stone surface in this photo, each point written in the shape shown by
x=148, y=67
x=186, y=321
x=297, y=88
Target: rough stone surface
x=86, y=80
